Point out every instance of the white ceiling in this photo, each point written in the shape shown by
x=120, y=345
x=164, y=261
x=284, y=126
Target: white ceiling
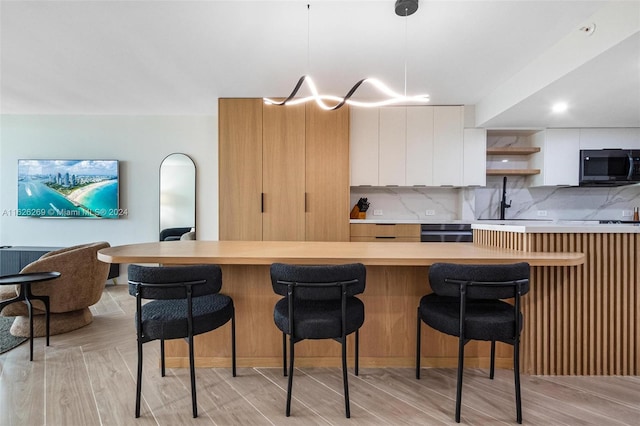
x=512, y=59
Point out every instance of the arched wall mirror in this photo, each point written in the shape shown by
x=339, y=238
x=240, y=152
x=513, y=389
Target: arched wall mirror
x=177, y=198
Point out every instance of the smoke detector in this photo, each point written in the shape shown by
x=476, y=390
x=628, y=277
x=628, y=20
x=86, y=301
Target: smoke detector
x=589, y=29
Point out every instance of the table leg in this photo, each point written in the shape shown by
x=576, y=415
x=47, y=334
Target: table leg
x=45, y=300
x=30, y=308
x=47, y=316
x=19, y=298
x=10, y=301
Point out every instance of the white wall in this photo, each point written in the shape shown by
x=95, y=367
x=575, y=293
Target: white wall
x=139, y=142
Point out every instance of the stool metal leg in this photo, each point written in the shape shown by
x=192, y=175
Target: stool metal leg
x=284, y=355
x=233, y=343
x=459, y=384
x=139, y=381
x=357, y=351
x=516, y=377
x=345, y=381
x=418, y=338
x=493, y=359
x=192, y=370
x=162, y=357
x=290, y=381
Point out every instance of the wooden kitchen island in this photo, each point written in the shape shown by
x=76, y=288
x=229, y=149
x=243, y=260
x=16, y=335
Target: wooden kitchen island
x=584, y=320
x=396, y=280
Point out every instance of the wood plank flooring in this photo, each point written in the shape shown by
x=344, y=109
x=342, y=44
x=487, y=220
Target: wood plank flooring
x=87, y=377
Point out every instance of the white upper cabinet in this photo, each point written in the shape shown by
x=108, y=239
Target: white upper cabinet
x=410, y=146
x=419, y=146
x=447, y=145
x=558, y=159
x=474, y=164
x=623, y=138
x=363, y=146
x=393, y=133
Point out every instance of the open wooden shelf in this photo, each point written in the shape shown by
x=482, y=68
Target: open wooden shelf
x=513, y=150
x=512, y=172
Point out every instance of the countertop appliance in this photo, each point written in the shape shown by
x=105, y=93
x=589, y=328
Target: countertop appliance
x=446, y=233
x=609, y=167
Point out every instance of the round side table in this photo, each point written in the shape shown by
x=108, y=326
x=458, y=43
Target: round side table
x=24, y=282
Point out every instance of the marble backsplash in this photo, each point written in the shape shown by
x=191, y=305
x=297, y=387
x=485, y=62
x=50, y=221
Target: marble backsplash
x=404, y=203
x=559, y=203
x=565, y=203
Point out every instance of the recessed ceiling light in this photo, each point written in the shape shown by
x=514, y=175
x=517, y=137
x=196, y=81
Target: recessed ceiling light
x=560, y=107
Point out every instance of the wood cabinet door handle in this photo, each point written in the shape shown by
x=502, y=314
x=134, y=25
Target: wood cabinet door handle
x=262, y=202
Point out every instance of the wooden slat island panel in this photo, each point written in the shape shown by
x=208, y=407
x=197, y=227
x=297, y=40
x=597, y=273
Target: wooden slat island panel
x=396, y=279
x=584, y=320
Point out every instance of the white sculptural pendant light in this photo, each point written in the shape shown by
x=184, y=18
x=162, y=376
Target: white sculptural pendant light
x=332, y=102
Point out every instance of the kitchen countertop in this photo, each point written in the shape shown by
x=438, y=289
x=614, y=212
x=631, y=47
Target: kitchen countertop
x=527, y=226
x=324, y=252
x=409, y=221
x=557, y=227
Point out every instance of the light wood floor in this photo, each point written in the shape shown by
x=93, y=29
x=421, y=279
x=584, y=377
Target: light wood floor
x=87, y=377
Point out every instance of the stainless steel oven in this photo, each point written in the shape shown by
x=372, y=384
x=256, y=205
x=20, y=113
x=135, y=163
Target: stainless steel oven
x=609, y=167
x=446, y=233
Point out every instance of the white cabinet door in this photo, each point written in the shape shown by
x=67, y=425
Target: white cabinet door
x=419, y=145
x=447, y=146
x=406, y=146
x=363, y=146
x=623, y=138
x=558, y=159
x=474, y=172
x=392, y=160
x=562, y=157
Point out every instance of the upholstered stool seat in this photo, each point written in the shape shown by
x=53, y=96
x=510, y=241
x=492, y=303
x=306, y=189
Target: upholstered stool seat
x=319, y=303
x=319, y=319
x=486, y=319
x=167, y=319
x=184, y=302
x=467, y=302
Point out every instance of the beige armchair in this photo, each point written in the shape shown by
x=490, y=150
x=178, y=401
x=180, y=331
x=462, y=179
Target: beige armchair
x=80, y=285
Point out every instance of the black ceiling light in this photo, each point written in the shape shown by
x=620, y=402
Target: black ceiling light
x=406, y=7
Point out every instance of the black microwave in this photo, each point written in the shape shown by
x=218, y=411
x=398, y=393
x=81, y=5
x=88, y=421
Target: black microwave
x=609, y=167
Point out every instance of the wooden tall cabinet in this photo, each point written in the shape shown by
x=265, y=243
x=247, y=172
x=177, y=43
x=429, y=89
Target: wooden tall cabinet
x=284, y=172
x=327, y=174
x=240, y=169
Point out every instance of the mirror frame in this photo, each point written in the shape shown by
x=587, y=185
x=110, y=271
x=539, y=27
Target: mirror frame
x=195, y=189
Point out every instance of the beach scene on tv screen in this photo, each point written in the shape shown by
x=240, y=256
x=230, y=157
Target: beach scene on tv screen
x=68, y=188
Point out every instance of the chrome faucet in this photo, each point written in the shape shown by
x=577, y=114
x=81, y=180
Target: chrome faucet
x=503, y=202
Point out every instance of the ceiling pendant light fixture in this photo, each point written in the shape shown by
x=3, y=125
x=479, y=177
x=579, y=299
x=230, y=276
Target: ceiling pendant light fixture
x=403, y=8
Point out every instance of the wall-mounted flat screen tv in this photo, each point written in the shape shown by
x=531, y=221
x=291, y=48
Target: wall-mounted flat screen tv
x=68, y=188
